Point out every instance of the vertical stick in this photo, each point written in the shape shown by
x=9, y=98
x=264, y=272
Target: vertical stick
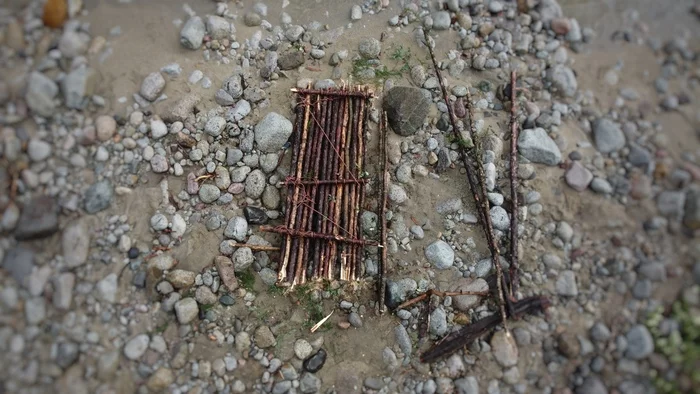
x=282, y=275
x=382, y=211
x=514, y=275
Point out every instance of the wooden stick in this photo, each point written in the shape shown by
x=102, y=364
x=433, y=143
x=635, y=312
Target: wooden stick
x=442, y=294
x=514, y=275
x=382, y=211
x=478, y=186
x=264, y=248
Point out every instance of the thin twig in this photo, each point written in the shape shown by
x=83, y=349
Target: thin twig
x=264, y=248
x=514, y=275
x=443, y=294
x=476, y=182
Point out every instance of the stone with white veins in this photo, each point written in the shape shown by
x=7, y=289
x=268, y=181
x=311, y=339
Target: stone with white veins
x=159, y=222
x=538, y=147
x=136, y=347
x=272, y=132
x=440, y=254
x=152, y=86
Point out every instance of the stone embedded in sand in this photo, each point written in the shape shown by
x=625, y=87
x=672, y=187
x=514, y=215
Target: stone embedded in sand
x=563, y=80
x=192, y=33
x=41, y=91
x=370, y=48
x=440, y=254
x=76, y=244
x=78, y=86
x=504, y=349
x=225, y=268
x=39, y=219
x=608, y=136
x=538, y=147
x=186, y=310
x=406, y=108
x=578, y=176
x=152, y=86
x=218, y=27
x=182, y=108
x=290, y=60
x=272, y=132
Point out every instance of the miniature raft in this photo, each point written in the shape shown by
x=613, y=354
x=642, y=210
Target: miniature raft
x=326, y=190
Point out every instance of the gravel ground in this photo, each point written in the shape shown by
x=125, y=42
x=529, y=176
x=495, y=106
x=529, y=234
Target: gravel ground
x=141, y=144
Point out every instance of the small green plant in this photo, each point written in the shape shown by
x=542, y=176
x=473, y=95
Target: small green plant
x=161, y=329
x=364, y=68
x=246, y=279
x=681, y=347
x=276, y=290
x=314, y=308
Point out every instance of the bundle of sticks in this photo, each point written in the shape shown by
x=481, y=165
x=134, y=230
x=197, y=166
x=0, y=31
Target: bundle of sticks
x=325, y=193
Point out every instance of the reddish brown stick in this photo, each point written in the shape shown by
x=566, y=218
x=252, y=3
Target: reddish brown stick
x=336, y=93
x=514, y=275
x=382, y=210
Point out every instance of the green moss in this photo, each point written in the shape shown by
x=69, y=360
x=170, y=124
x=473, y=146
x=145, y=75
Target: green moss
x=681, y=347
x=246, y=279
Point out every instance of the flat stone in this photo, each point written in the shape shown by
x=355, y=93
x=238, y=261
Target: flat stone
x=152, y=86
x=98, y=197
x=640, y=343
x=407, y=109
x=39, y=219
x=272, y=132
x=41, y=92
x=608, y=136
x=538, y=147
x=186, y=310
x=397, y=291
x=451, y=205
x=440, y=254
x=290, y=60
x=136, y=347
x=504, y=349
x=237, y=228
x=19, y=263
x=264, y=337
x=75, y=242
x=466, y=302
x=227, y=273
x=566, y=284
x=578, y=177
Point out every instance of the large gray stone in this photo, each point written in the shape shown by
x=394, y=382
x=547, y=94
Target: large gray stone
x=563, y=80
x=98, y=197
x=397, y=291
x=78, y=86
x=19, y=262
x=538, y=147
x=407, y=108
x=192, y=33
x=608, y=136
x=272, y=132
x=440, y=254
x=237, y=228
x=640, y=343
x=152, y=86
x=41, y=92
x=39, y=219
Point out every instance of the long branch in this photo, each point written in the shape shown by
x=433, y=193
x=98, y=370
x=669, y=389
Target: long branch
x=514, y=275
x=478, y=186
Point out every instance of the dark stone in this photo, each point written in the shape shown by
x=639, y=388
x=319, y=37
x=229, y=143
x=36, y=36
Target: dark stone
x=39, y=219
x=18, y=262
x=139, y=279
x=575, y=155
x=290, y=60
x=315, y=362
x=133, y=253
x=407, y=108
x=98, y=197
x=444, y=161
x=254, y=215
x=226, y=300
x=639, y=156
x=443, y=124
x=67, y=354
